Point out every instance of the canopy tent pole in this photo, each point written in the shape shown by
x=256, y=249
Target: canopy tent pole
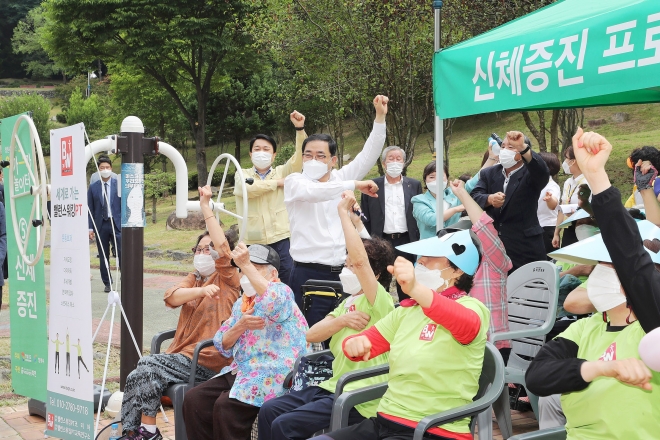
x=439, y=135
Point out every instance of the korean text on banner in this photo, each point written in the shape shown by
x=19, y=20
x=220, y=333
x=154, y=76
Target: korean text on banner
x=70, y=403
x=27, y=288
x=575, y=53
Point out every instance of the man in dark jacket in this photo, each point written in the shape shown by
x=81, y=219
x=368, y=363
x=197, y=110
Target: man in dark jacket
x=105, y=212
x=509, y=194
x=389, y=215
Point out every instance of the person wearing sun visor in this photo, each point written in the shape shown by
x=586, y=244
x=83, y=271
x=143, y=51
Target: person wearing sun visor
x=607, y=392
x=441, y=327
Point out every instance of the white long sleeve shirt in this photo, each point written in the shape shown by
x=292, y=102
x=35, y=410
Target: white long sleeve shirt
x=316, y=233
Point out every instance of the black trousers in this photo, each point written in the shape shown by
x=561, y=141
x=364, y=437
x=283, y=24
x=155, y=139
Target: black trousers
x=548, y=235
x=377, y=428
x=210, y=414
x=103, y=240
x=569, y=237
x=404, y=239
x=299, y=276
x=299, y=414
x=286, y=262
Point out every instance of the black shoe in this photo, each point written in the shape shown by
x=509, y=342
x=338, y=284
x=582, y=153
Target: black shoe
x=107, y=288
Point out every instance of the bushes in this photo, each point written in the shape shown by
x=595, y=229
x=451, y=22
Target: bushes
x=217, y=179
x=90, y=111
x=30, y=102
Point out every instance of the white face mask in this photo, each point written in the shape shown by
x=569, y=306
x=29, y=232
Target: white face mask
x=246, y=285
x=394, y=169
x=262, y=159
x=105, y=173
x=585, y=231
x=431, y=278
x=433, y=187
x=566, y=167
x=204, y=264
x=508, y=158
x=349, y=282
x=604, y=288
x=314, y=169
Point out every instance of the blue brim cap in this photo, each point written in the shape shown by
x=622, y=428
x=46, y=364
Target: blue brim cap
x=457, y=247
x=577, y=215
x=592, y=250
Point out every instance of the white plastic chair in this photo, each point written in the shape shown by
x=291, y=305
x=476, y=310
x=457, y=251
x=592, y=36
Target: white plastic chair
x=532, y=292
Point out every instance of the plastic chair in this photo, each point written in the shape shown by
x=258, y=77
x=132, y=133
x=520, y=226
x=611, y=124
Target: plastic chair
x=558, y=433
x=320, y=297
x=532, y=294
x=177, y=391
x=491, y=384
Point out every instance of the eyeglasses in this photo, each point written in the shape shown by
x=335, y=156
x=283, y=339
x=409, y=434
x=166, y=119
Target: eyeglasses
x=199, y=250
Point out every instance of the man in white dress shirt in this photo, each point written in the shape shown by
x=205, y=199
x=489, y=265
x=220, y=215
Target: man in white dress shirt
x=318, y=248
x=390, y=215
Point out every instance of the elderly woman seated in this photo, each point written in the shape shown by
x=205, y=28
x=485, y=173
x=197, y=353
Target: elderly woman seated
x=607, y=392
x=435, y=340
x=206, y=297
x=265, y=334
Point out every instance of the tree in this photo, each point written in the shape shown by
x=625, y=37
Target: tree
x=347, y=51
x=132, y=92
x=90, y=111
x=184, y=45
x=30, y=102
x=241, y=108
x=27, y=41
x=11, y=13
x=156, y=183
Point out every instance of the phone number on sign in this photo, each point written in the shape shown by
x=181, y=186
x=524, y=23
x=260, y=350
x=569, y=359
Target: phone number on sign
x=79, y=409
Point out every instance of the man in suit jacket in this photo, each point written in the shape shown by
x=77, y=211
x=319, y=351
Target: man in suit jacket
x=509, y=194
x=107, y=219
x=390, y=215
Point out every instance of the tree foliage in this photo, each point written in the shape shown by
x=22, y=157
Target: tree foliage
x=90, y=111
x=27, y=41
x=181, y=44
x=29, y=102
x=344, y=52
x=11, y=12
x=242, y=107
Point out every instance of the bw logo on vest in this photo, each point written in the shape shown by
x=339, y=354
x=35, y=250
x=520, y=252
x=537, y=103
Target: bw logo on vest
x=427, y=332
x=610, y=353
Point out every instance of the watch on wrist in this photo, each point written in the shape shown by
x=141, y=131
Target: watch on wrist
x=300, y=128
x=525, y=150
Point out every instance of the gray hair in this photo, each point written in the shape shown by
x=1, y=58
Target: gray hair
x=392, y=148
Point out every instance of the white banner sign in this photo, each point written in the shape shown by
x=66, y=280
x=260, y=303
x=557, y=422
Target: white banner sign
x=70, y=403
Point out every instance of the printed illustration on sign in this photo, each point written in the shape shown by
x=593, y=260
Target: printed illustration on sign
x=132, y=195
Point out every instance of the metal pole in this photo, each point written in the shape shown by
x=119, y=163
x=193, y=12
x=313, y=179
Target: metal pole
x=439, y=135
x=132, y=145
x=129, y=144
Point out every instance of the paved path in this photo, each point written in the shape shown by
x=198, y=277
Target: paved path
x=157, y=317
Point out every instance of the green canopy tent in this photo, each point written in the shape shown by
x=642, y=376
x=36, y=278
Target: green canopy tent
x=573, y=53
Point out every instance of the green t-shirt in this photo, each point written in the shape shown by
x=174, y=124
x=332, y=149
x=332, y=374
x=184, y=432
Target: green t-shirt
x=430, y=371
x=382, y=306
x=78, y=348
x=57, y=343
x=607, y=408
x=563, y=267
x=68, y=349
